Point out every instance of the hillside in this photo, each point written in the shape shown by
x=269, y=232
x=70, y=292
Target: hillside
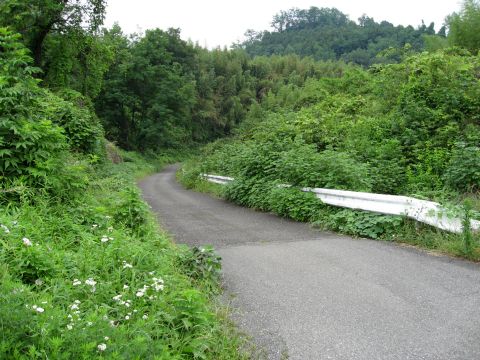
x=328, y=34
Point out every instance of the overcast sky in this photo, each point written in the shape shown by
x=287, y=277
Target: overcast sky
x=217, y=23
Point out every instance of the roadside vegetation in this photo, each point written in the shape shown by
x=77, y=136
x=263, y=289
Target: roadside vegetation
x=407, y=128
x=85, y=271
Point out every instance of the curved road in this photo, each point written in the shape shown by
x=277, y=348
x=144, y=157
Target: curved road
x=306, y=294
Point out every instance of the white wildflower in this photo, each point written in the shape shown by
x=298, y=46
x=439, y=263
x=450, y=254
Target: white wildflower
x=102, y=347
x=140, y=293
x=157, y=284
x=89, y=323
x=74, y=307
x=5, y=229
x=127, y=265
x=38, y=309
x=90, y=282
x=76, y=282
x=112, y=323
x=69, y=326
x=44, y=302
x=106, y=338
x=38, y=282
x=117, y=297
x=77, y=302
x=134, y=311
x=26, y=242
x=125, y=287
x=145, y=317
x=110, y=229
x=108, y=217
x=94, y=226
x=127, y=317
x=15, y=223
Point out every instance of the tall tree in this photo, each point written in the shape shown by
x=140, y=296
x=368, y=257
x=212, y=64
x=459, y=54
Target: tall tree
x=464, y=27
x=36, y=19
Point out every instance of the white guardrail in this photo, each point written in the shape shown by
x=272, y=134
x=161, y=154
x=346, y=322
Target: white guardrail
x=427, y=212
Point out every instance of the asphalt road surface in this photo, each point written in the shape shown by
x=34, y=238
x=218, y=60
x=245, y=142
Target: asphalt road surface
x=305, y=294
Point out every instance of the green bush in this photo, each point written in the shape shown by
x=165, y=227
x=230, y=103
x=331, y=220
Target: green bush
x=98, y=280
x=32, y=149
x=294, y=204
x=463, y=170
x=202, y=265
x=130, y=210
x=327, y=169
x=359, y=223
x=74, y=113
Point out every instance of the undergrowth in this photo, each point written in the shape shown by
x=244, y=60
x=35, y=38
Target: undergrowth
x=302, y=206
x=94, y=278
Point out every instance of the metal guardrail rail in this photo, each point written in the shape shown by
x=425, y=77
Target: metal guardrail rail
x=424, y=211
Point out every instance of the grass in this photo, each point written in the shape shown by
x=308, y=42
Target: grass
x=95, y=278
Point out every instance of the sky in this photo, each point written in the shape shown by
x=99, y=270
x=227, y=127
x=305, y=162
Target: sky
x=214, y=23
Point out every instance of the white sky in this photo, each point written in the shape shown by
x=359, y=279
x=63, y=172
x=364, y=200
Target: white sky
x=217, y=23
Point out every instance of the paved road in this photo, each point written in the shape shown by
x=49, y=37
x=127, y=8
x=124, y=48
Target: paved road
x=315, y=295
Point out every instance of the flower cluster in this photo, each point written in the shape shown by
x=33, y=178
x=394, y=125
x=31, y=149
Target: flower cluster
x=126, y=265
x=105, y=239
x=38, y=309
x=5, y=229
x=89, y=282
x=75, y=307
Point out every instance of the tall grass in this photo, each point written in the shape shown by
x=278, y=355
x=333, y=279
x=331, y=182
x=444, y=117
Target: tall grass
x=96, y=278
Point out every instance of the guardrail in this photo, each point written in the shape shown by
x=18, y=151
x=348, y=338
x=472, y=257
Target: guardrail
x=424, y=211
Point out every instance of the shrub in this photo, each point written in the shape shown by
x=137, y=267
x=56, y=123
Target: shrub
x=328, y=169
x=202, y=265
x=31, y=147
x=130, y=210
x=463, y=170
x=75, y=114
x=98, y=280
x=359, y=223
x=295, y=204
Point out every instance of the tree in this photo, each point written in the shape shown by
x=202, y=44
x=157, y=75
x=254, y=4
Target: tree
x=36, y=19
x=464, y=26
x=328, y=34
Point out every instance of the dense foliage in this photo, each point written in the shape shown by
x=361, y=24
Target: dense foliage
x=463, y=26
x=399, y=128
x=95, y=279
x=328, y=34
x=84, y=271
x=164, y=92
x=410, y=128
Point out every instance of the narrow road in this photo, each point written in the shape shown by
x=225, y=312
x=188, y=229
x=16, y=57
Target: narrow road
x=308, y=294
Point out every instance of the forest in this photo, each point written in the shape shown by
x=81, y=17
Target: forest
x=320, y=100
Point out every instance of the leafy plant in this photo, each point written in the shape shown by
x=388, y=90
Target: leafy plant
x=201, y=264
